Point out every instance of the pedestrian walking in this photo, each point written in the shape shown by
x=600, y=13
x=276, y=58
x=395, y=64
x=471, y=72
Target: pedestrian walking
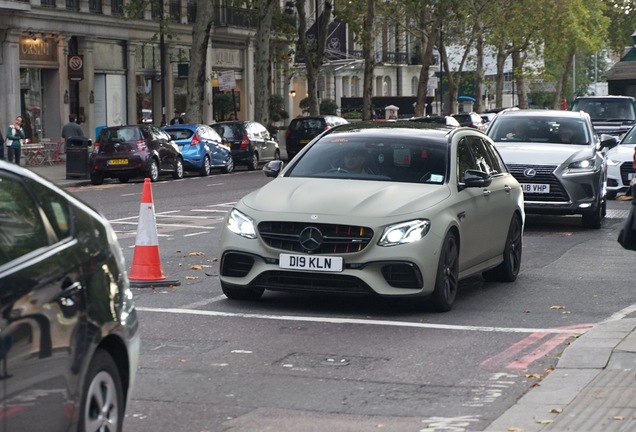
x=177, y=118
x=15, y=138
x=71, y=129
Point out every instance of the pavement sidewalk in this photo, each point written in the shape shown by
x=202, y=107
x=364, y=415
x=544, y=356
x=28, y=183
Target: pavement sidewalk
x=592, y=388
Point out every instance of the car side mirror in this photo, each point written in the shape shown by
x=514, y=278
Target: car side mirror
x=273, y=168
x=608, y=141
x=476, y=178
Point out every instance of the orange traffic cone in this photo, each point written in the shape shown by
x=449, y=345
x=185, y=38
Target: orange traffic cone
x=146, y=268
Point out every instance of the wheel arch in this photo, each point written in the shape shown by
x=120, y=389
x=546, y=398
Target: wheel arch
x=114, y=346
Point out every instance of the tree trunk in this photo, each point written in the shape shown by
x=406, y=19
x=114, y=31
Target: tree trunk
x=562, y=82
x=502, y=54
x=262, y=62
x=198, y=56
x=520, y=79
x=428, y=39
x=479, y=69
x=369, y=60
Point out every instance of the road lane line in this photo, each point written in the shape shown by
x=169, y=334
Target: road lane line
x=328, y=320
x=196, y=233
x=204, y=302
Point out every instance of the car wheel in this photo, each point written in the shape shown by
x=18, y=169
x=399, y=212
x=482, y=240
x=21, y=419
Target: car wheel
x=229, y=166
x=124, y=179
x=102, y=404
x=277, y=155
x=241, y=293
x=447, y=279
x=205, y=168
x=97, y=179
x=253, y=163
x=508, y=270
x=178, y=169
x=153, y=171
x=593, y=218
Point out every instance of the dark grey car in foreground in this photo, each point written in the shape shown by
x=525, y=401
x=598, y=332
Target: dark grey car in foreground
x=558, y=159
x=69, y=340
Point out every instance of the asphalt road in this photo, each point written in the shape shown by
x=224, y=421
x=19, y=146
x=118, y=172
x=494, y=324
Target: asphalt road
x=318, y=363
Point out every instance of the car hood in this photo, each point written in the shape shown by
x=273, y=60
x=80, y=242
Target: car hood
x=621, y=153
x=542, y=154
x=339, y=197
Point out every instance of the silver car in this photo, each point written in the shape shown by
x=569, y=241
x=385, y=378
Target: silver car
x=399, y=209
x=557, y=158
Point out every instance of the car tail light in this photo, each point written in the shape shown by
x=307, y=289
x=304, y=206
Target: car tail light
x=141, y=145
x=195, y=140
x=96, y=147
x=245, y=143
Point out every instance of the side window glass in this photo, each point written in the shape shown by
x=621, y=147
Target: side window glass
x=465, y=159
x=482, y=158
x=21, y=229
x=56, y=209
x=497, y=164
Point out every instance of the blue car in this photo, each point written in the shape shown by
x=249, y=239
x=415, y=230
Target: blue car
x=202, y=148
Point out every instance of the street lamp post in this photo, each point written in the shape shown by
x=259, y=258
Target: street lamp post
x=162, y=59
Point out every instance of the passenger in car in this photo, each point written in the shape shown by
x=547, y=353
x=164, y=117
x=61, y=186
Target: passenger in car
x=354, y=161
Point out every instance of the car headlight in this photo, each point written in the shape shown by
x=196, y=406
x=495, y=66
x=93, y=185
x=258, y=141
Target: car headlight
x=404, y=232
x=585, y=165
x=241, y=224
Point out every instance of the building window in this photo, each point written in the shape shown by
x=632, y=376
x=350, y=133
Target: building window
x=386, y=86
x=192, y=11
x=355, y=82
x=72, y=5
x=117, y=7
x=155, y=9
x=48, y=4
x=415, y=82
x=175, y=11
x=95, y=6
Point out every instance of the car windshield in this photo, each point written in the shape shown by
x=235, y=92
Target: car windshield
x=539, y=130
x=301, y=124
x=228, y=131
x=629, y=138
x=385, y=158
x=606, y=109
x=126, y=134
x=180, y=134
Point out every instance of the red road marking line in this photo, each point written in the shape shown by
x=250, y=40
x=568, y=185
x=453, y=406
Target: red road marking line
x=4, y=413
x=524, y=344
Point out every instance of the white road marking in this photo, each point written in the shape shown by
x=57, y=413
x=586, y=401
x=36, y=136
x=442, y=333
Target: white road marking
x=204, y=302
x=183, y=216
x=196, y=233
x=329, y=320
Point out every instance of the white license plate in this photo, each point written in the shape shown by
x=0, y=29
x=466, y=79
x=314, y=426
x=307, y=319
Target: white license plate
x=630, y=176
x=311, y=262
x=535, y=188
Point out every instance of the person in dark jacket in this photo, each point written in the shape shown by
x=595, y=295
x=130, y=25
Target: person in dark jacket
x=16, y=136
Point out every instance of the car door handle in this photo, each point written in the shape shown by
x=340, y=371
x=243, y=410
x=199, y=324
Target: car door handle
x=487, y=192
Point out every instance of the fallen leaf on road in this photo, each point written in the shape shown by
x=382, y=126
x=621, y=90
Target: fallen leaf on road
x=544, y=422
x=618, y=418
x=556, y=410
x=557, y=307
x=191, y=277
x=197, y=267
x=514, y=429
x=196, y=254
x=539, y=376
x=241, y=352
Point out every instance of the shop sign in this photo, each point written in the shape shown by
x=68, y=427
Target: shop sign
x=76, y=68
x=37, y=50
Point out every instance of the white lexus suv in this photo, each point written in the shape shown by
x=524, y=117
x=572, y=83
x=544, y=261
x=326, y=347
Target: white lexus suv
x=558, y=159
